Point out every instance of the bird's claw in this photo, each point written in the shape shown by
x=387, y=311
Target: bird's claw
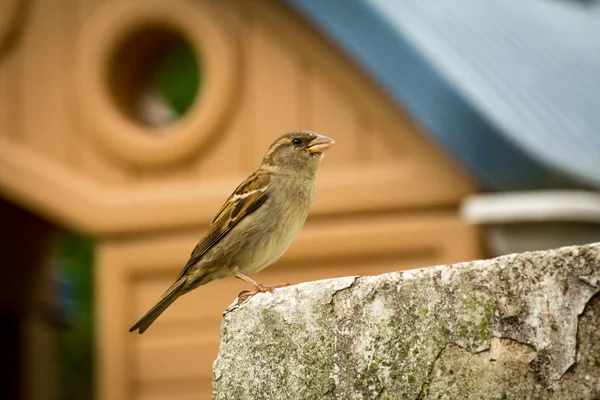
x=246, y=294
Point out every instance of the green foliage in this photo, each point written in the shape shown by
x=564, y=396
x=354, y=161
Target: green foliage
x=73, y=257
x=178, y=77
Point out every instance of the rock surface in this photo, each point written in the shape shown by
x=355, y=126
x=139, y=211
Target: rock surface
x=523, y=326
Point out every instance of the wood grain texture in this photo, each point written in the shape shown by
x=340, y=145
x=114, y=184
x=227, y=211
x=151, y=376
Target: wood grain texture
x=276, y=101
x=28, y=179
x=113, y=359
x=291, y=78
x=92, y=160
x=45, y=79
x=333, y=112
x=10, y=94
x=231, y=145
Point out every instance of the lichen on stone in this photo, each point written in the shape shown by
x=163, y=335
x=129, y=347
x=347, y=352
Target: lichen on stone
x=497, y=328
x=292, y=339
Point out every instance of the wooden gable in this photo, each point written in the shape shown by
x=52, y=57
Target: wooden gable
x=71, y=152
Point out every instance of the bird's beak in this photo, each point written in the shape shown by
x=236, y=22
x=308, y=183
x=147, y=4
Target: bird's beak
x=320, y=144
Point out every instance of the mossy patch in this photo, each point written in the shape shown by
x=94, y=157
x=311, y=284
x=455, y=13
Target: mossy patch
x=488, y=329
x=294, y=347
x=398, y=340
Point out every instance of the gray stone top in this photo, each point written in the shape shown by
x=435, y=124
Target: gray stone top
x=519, y=326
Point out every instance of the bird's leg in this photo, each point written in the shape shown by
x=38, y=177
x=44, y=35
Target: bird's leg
x=259, y=286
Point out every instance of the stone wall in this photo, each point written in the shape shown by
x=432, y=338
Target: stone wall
x=520, y=326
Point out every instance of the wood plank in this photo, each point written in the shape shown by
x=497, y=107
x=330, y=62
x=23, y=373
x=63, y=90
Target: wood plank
x=10, y=94
x=385, y=146
x=28, y=179
x=192, y=389
x=11, y=16
x=366, y=95
x=390, y=233
x=113, y=367
x=86, y=9
x=91, y=159
x=176, y=359
x=47, y=46
x=275, y=92
x=334, y=112
x=229, y=153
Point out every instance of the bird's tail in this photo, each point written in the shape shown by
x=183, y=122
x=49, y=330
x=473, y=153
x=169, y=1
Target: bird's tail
x=161, y=305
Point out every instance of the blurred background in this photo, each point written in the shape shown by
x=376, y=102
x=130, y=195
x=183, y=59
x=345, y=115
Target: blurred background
x=464, y=130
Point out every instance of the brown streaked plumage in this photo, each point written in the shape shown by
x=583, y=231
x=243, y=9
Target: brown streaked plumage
x=257, y=223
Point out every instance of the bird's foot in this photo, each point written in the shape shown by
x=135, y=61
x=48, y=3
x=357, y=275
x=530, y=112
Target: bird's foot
x=260, y=288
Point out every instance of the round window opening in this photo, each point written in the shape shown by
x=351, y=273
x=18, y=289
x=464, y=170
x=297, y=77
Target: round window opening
x=154, y=76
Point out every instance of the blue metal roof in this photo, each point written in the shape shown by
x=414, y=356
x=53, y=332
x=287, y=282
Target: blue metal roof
x=510, y=88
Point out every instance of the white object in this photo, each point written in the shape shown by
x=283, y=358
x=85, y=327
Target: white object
x=541, y=220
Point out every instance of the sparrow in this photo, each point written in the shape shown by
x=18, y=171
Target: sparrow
x=257, y=223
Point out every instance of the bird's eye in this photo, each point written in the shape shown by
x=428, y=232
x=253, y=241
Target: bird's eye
x=296, y=141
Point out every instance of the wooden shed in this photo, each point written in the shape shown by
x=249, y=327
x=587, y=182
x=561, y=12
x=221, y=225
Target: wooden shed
x=75, y=152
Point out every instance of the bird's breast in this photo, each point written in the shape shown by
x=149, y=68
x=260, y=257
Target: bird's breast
x=282, y=222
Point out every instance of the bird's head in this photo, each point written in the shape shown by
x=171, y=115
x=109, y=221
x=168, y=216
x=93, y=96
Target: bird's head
x=298, y=150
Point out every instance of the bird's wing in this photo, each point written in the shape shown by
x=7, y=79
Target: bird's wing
x=246, y=198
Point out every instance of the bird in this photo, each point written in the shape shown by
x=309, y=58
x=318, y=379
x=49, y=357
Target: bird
x=256, y=225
